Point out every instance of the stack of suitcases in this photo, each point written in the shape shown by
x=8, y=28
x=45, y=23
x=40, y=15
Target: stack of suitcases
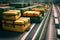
x=35, y=16
x=13, y=21
x=40, y=10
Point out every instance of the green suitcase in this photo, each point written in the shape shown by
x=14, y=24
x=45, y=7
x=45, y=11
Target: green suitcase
x=36, y=19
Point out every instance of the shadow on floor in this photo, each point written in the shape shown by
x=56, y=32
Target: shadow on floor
x=8, y=34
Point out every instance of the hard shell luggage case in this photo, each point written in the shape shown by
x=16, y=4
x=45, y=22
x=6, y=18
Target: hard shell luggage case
x=17, y=28
x=36, y=19
x=40, y=10
x=11, y=15
x=19, y=25
x=31, y=13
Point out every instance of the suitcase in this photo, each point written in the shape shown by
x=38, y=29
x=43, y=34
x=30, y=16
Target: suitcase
x=16, y=28
x=19, y=25
x=24, y=19
x=36, y=19
x=11, y=15
x=40, y=10
x=31, y=13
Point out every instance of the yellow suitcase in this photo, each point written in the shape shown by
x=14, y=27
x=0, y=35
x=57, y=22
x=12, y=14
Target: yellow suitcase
x=31, y=13
x=11, y=15
x=28, y=13
x=38, y=9
x=21, y=20
x=19, y=25
x=37, y=13
x=16, y=28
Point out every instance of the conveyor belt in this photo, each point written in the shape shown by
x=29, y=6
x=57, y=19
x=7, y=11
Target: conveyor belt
x=29, y=37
